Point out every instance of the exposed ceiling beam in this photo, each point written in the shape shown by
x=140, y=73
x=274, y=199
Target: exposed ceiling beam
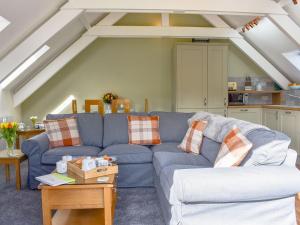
x=38, y=38
x=84, y=21
x=165, y=19
x=288, y=26
x=158, y=31
x=59, y=62
x=252, y=53
x=225, y=7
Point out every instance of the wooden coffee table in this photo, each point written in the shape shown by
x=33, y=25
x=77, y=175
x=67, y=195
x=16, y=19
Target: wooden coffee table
x=84, y=202
x=12, y=160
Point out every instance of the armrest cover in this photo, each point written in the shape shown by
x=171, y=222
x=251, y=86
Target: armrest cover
x=36, y=145
x=240, y=184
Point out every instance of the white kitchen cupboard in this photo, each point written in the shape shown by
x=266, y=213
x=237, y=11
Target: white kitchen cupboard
x=285, y=121
x=201, y=77
x=253, y=115
x=270, y=118
x=218, y=111
x=289, y=124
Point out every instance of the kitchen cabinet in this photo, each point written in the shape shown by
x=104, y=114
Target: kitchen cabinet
x=201, y=76
x=253, y=115
x=218, y=111
x=289, y=124
x=285, y=121
x=270, y=119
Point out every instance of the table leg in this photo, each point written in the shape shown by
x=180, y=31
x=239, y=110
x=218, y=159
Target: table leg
x=7, y=173
x=18, y=175
x=18, y=142
x=108, y=206
x=47, y=217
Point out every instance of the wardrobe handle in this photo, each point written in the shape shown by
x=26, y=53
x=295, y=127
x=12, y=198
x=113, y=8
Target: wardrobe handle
x=288, y=112
x=205, y=101
x=244, y=110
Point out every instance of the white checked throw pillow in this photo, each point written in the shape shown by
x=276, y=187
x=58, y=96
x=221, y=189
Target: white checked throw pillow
x=233, y=150
x=143, y=130
x=194, y=136
x=62, y=132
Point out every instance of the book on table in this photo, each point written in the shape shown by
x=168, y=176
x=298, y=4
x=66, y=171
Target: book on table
x=55, y=179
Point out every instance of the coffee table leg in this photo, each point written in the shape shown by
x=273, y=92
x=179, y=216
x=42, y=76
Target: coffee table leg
x=47, y=217
x=7, y=173
x=18, y=175
x=107, y=206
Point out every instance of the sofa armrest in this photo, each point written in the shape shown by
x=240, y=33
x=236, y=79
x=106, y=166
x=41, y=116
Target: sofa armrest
x=36, y=145
x=239, y=184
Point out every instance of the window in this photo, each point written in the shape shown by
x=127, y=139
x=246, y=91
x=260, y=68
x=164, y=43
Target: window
x=25, y=65
x=293, y=57
x=3, y=23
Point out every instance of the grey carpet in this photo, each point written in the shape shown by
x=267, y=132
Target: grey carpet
x=136, y=206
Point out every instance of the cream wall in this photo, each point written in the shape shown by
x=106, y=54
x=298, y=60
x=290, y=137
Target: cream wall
x=132, y=68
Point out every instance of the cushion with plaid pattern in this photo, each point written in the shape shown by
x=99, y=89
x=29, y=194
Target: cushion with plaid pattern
x=234, y=149
x=62, y=132
x=143, y=130
x=192, y=141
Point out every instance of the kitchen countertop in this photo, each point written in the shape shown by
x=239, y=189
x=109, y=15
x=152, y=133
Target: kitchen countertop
x=282, y=107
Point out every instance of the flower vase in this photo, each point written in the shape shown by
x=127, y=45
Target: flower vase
x=107, y=108
x=10, y=148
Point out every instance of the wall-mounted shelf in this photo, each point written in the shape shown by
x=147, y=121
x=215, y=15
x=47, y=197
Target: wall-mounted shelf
x=254, y=92
x=277, y=96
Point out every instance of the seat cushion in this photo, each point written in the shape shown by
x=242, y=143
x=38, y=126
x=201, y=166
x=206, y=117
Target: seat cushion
x=166, y=178
x=116, y=128
x=164, y=159
x=90, y=127
x=270, y=148
x=172, y=125
x=167, y=147
x=129, y=154
x=54, y=155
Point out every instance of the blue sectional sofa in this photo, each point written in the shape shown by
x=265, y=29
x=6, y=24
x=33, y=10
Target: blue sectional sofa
x=191, y=192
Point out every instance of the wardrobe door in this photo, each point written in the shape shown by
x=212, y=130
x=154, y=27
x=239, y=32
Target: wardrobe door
x=191, y=77
x=217, y=76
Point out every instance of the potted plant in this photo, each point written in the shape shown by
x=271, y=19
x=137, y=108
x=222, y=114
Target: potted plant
x=107, y=99
x=8, y=131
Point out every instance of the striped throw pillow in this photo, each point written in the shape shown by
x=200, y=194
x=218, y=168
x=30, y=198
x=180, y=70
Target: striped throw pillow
x=192, y=141
x=233, y=149
x=62, y=132
x=143, y=130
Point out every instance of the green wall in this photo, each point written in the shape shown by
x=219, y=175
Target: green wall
x=132, y=68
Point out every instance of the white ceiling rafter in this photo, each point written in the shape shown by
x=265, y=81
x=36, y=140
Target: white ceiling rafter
x=31, y=44
x=226, y=7
x=165, y=19
x=252, y=53
x=159, y=31
x=59, y=62
x=287, y=26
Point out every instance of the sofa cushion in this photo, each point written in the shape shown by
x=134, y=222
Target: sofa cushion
x=90, y=127
x=166, y=178
x=129, y=154
x=116, y=128
x=53, y=155
x=172, y=125
x=270, y=148
x=210, y=149
x=164, y=159
x=167, y=147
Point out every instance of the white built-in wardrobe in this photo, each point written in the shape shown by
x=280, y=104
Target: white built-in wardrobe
x=201, y=72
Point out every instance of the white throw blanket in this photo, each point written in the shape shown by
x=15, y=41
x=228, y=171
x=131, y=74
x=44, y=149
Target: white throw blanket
x=218, y=126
